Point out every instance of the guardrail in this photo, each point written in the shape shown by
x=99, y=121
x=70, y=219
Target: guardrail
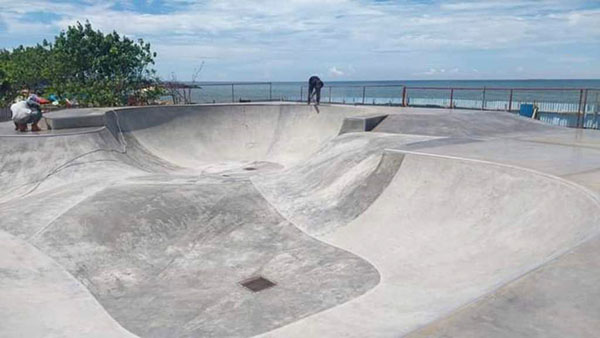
x=219, y=92
x=571, y=107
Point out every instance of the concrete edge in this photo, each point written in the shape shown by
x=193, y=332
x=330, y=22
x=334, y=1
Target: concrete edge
x=361, y=123
x=89, y=130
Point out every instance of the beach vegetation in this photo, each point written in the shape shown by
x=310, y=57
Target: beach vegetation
x=84, y=65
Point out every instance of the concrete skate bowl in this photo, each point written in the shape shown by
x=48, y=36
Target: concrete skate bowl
x=156, y=222
x=245, y=137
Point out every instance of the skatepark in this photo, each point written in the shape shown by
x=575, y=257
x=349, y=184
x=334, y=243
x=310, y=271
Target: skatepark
x=356, y=221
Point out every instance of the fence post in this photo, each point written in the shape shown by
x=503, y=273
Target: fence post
x=579, y=120
x=270, y=91
x=329, y=94
x=451, y=97
x=404, y=96
x=483, y=100
x=232, y=94
x=363, y=102
x=585, y=95
x=510, y=101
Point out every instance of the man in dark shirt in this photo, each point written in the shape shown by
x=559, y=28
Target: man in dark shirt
x=314, y=85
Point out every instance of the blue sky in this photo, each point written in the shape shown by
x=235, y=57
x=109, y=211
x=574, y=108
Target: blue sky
x=287, y=40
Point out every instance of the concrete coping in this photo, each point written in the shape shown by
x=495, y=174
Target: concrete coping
x=361, y=123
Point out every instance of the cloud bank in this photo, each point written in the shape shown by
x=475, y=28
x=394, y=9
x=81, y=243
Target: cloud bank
x=290, y=40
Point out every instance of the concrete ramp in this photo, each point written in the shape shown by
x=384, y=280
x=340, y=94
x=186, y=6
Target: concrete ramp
x=445, y=232
x=337, y=183
x=153, y=222
x=237, y=135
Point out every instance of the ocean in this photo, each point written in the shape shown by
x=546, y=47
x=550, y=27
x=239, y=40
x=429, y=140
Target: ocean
x=564, y=96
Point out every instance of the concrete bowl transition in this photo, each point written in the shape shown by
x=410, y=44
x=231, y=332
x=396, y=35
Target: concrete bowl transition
x=290, y=220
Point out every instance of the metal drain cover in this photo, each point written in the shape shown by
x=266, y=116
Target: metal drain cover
x=256, y=284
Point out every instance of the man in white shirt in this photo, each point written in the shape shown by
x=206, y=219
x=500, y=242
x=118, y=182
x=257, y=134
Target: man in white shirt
x=25, y=112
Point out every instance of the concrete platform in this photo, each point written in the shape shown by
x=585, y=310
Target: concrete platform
x=370, y=221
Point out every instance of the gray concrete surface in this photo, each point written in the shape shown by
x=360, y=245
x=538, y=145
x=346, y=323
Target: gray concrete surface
x=437, y=223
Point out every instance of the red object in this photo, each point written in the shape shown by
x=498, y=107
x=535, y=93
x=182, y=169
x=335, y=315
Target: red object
x=42, y=100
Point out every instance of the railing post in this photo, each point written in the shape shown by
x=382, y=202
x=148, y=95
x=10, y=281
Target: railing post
x=363, y=101
x=404, y=96
x=585, y=95
x=451, y=97
x=483, y=100
x=270, y=91
x=329, y=94
x=510, y=97
x=232, y=94
x=579, y=122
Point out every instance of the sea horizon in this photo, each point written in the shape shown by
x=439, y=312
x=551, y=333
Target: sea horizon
x=520, y=83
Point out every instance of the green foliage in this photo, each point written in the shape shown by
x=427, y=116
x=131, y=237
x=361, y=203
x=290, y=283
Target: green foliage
x=20, y=69
x=5, y=87
x=85, y=64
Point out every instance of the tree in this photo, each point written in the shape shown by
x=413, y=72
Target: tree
x=101, y=70
x=85, y=64
x=5, y=85
x=23, y=68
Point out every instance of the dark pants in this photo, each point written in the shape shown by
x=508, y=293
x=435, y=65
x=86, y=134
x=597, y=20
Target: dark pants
x=34, y=117
x=316, y=89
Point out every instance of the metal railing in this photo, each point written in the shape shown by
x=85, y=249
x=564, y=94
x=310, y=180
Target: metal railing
x=216, y=92
x=571, y=107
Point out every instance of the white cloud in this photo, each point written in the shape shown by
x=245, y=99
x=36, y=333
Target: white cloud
x=334, y=72
x=310, y=33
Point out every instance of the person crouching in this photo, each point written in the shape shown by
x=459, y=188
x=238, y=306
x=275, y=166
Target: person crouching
x=27, y=112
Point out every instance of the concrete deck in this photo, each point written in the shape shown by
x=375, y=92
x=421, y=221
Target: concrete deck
x=371, y=221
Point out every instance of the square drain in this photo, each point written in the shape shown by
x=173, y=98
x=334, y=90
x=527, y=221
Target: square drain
x=256, y=284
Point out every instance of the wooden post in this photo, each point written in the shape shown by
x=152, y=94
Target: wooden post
x=232, y=94
x=301, y=93
x=329, y=94
x=510, y=97
x=451, y=97
x=403, y=96
x=270, y=91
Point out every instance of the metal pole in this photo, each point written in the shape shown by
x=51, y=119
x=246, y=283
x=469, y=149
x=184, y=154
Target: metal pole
x=510, y=100
x=579, y=108
x=270, y=91
x=451, y=97
x=329, y=94
x=585, y=95
x=483, y=100
x=232, y=94
x=403, y=96
x=363, y=102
